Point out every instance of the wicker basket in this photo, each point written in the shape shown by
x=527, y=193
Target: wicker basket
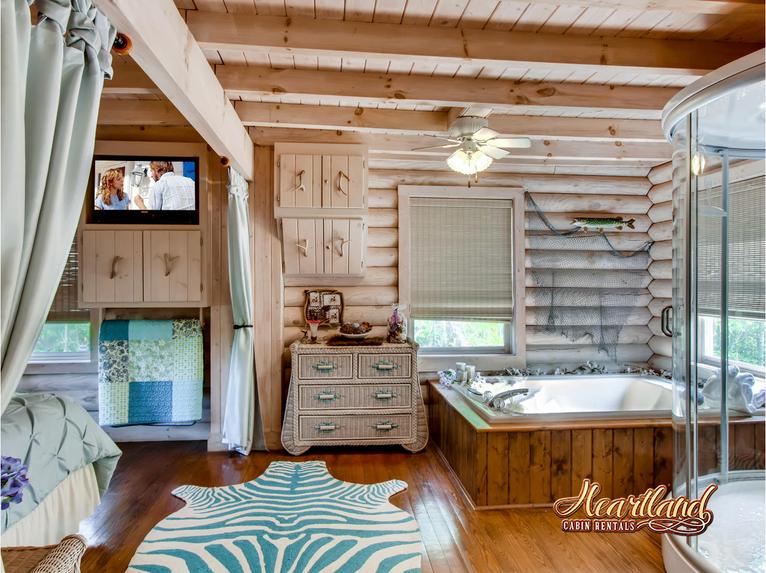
x=62, y=558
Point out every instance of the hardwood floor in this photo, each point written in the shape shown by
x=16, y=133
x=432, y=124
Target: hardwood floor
x=456, y=538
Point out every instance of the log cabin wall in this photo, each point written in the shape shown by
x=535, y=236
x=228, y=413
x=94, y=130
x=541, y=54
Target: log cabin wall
x=561, y=194
x=661, y=232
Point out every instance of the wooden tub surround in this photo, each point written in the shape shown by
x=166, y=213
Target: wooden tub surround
x=533, y=464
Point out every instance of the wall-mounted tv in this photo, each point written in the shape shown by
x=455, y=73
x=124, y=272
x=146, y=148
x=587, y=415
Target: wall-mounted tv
x=144, y=190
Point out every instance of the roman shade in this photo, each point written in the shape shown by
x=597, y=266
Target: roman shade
x=65, y=307
x=461, y=258
x=747, y=249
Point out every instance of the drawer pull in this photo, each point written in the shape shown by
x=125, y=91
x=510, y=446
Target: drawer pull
x=385, y=426
x=384, y=395
x=325, y=366
x=326, y=427
x=385, y=366
x=327, y=397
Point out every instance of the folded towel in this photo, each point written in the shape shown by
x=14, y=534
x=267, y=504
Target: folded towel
x=739, y=390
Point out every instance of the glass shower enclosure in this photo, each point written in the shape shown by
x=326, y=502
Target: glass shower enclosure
x=716, y=127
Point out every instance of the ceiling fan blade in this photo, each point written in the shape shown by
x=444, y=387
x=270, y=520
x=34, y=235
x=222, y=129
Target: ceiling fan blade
x=485, y=134
x=494, y=152
x=446, y=146
x=512, y=142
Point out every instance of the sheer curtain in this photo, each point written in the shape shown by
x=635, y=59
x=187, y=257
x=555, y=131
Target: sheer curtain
x=52, y=76
x=242, y=426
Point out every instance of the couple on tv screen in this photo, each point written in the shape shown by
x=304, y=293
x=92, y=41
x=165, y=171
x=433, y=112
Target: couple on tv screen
x=145, y=185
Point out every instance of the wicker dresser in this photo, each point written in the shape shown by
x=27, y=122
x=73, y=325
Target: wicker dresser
x=354, y=395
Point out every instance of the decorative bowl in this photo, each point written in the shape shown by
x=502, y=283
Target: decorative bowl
x=355, y=329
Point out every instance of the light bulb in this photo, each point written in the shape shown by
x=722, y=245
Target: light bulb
x=468, y=163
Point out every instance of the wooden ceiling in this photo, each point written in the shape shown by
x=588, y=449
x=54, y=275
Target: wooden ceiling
x=586, y=80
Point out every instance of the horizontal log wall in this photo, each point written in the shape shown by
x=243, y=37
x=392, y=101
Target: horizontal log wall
x=538, y=466
x=661, y=253
x=579, y=266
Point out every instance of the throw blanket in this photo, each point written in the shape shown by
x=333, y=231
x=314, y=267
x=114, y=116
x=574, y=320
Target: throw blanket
x=53, y=437
x=150, y=372
x=295, y=517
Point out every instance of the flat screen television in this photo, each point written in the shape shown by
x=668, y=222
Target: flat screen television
x=144, y=190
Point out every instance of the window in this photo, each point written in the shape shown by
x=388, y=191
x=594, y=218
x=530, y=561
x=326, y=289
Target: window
x=461, y=271
x=67, y=337
x=746, y=342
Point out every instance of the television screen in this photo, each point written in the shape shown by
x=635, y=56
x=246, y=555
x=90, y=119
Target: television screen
x=144, y=190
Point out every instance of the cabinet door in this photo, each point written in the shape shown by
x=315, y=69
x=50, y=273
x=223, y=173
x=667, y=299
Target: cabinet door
x=172, y=266
x=300, y=180
x=343, y=181
x=344, y=246
x=111, y=267
x=302, y=239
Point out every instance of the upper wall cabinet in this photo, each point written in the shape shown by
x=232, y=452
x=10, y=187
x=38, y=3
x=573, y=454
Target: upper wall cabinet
x=320, y=180
x=141, y=268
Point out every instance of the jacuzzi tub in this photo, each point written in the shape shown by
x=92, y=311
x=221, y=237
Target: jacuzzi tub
x=557, y=398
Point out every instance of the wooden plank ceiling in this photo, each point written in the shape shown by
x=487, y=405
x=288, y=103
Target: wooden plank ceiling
x=586, y=80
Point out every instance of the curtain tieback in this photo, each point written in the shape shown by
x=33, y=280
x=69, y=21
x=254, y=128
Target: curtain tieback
x=238, y=326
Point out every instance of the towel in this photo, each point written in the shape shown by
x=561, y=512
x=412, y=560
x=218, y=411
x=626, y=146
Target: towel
x=739, y=391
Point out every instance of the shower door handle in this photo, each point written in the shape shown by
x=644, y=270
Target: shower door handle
x=665, y=319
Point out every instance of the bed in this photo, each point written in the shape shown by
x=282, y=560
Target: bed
x=70, y=459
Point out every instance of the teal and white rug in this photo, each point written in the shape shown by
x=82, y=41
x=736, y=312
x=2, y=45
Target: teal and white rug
x=293, y=518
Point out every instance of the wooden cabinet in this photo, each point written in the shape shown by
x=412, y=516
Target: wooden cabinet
x=110, y=267
x=138, y=267
x=324, y=246
x=321, y=198
x=172, y=266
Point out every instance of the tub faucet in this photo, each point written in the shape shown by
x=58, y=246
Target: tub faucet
x=495, y=401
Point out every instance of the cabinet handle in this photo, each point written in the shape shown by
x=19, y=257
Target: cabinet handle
x=385, y=365
x=385, y=426
x=327, y=397
x=326, y=427
x=384, y=395
x=324, y=366
x=342, y=242
x=339, y=186
x=113, y=272
x=301, y=186
x=303, y=245
x=169, y=261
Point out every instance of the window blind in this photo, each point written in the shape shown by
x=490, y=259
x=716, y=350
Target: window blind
x=461, y=258
x=747, y=249
x=65, y=307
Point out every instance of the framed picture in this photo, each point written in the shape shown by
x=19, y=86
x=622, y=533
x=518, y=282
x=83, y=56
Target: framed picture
x=324, y=305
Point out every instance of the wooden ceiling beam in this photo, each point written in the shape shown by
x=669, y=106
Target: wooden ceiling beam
x=300, y=116
x=442, y=45
x=550, y=151
x=247, y=82
x=723, y=7
x=139, y=112
x=165, y=49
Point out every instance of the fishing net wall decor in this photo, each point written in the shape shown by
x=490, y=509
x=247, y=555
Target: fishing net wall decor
x=585, y=287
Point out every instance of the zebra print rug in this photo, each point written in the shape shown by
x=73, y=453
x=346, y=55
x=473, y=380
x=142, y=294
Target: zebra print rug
x=295, y=518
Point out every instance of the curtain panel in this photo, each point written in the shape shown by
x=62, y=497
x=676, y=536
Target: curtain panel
x=52, y=76
x=242, y=426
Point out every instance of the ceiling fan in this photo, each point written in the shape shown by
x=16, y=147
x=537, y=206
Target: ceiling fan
x=477, y=145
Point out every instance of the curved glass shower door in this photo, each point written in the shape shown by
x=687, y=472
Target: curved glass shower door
x=719, y=239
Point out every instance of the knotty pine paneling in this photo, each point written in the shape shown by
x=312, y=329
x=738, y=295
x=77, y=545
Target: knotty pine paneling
x=536, y=467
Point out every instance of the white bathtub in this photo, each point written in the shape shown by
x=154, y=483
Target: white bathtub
x=598, y=396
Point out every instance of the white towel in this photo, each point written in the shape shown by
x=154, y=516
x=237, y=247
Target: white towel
x=739, y=391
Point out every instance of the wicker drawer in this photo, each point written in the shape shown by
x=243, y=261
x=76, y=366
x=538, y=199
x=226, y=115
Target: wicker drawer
x=334, y=366
x=346, y=397
x=384, y=365
x=369, y=427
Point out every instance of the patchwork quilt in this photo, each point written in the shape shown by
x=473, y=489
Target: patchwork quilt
x=150, y=372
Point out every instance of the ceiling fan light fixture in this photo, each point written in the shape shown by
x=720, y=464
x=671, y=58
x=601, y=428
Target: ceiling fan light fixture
x=469, y=162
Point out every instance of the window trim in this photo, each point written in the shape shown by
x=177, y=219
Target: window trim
x=513, y=357
x=71, y=366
